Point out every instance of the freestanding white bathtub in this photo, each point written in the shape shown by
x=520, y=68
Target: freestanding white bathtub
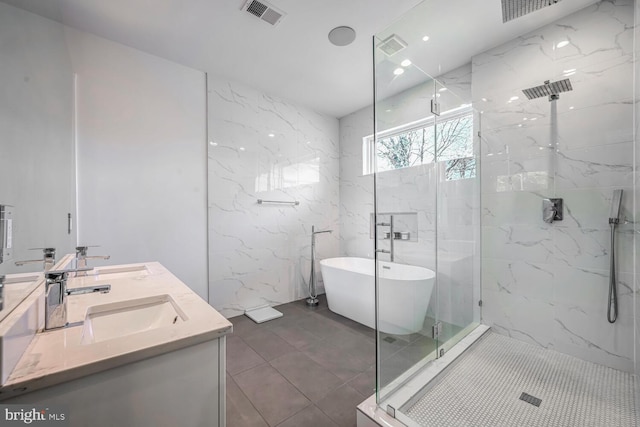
x=404, y=292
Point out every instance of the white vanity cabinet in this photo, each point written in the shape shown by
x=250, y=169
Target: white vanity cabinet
x=138, y=367
x=183, y=388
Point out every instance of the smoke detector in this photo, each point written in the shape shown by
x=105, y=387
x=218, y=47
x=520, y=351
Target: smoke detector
x=392, y=45
x=264, y=11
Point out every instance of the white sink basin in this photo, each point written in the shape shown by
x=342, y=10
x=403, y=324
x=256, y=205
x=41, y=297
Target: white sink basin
x=123, y=318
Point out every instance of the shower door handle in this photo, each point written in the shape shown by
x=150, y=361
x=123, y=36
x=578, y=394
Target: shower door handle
x=391, y=238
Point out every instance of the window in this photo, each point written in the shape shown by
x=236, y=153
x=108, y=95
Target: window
x=451, y=140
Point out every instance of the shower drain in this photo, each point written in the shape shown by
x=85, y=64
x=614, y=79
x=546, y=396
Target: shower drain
x=530, y=399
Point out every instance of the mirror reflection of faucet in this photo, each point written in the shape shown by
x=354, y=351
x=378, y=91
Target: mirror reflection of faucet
x=82, y=257
x=48, y=259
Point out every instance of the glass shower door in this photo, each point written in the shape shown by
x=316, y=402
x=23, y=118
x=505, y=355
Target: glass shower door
x=423, y=157
x=402, y=155
x=457, y=126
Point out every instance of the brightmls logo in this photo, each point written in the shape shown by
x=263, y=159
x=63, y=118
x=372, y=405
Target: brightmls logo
x=15, y=415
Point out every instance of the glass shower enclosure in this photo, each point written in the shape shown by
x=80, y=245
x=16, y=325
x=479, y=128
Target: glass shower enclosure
x=483, y=122
x=427, y=198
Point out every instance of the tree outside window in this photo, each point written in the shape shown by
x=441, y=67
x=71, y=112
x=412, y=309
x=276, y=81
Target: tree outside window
x=450, y=140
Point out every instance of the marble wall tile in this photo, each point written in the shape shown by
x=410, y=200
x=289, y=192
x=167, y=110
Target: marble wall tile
x=518, y=316
x=579, y=148
x=262, y=147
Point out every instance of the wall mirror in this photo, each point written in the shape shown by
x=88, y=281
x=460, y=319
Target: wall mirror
x=37, y=168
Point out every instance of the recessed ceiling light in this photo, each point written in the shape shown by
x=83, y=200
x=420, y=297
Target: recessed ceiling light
x=271, y=135
x=425, y=39
x=484, y=99
x=533, y=118
x=562, y=44
x=242, y=148
x=406, y=63
x=398, y=71
x=342, y=36
x=213, y=143
x=442, y=89
x=572, y=107
x=570, y=70
x=514, y=98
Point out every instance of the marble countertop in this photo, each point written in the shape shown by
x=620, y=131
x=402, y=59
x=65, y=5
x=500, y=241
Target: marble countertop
x=58, y=356
x=17, y=287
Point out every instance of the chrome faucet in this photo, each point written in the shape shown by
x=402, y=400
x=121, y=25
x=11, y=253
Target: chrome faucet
x=313, y=301
x=48, y=259
x=56, y=292
x=82, y=257
x=391, y=236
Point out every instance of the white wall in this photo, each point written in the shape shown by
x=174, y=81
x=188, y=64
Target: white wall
x=36, y=150
x=547, y=284
x=260, y=254
x=141, y=157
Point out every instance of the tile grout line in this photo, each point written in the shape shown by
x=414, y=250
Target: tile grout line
x=249, y=400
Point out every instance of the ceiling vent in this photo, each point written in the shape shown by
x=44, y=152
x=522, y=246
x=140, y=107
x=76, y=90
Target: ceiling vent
x=392, y=45
x=512, y=9
x=264, y=11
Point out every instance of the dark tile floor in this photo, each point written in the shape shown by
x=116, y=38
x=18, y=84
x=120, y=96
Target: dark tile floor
x=309, y=368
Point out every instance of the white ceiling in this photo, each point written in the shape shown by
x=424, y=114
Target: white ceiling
x=295, y=60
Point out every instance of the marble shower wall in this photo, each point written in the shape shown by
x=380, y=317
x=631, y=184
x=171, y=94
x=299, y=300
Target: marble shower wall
x=414, y=190
x=262, y=147
x=547, y=284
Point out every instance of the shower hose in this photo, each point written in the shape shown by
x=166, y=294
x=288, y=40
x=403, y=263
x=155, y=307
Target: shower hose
x=612, y=307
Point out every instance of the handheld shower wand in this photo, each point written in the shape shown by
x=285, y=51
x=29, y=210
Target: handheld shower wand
x=614, y=219
x=312, y=301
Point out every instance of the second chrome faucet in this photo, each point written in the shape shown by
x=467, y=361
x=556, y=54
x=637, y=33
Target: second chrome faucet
x=56, y=293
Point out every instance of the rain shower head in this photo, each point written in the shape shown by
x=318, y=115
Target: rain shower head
x=549, y=89
x=512, y=9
